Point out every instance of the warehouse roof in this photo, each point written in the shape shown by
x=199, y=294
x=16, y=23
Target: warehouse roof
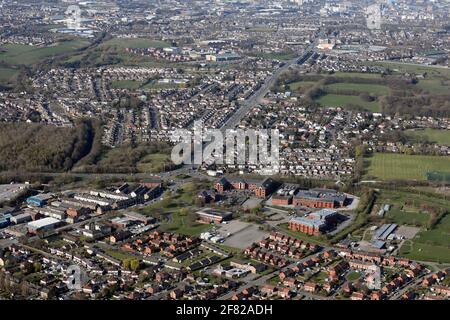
x=41, y=223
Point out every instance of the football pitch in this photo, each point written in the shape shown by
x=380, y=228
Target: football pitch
x=393, y=166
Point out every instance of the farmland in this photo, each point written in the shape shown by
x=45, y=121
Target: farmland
x=387, y=166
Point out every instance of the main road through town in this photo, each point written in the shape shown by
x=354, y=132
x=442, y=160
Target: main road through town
x=259, y=94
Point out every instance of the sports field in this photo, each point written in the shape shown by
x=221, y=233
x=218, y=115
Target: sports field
x=375, y=89
x=433, y=135
x=335, y=100
x=392, y=166
x=18, y=54
x=126, y=84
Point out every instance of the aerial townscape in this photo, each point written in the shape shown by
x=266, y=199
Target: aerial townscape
x=94, y=207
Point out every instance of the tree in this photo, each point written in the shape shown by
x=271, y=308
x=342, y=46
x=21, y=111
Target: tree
x=37, y=267
x=126, y=264
x=134, y=264
x=184, y=211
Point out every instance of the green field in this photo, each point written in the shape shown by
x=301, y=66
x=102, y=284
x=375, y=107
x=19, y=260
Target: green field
x=374, y=89
x=392, y=166
x=334, y=100
x=432, y=135
x=294, y=86
x=406, y=211
x=353, y=276
x=276, y=55
x=430, y=245
x=431, y=71
x=135, y=43
x=119, y=254
x=126, y=84
x=17, y=54
x=357, y=75
x=407, y=217
x=435, y=86
x=154, y=162
x=180, y=224
x=7, y=73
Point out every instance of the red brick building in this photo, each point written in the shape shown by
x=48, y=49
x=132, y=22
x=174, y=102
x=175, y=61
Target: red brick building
x=313, y=203
x=281, y=200
x=262, y=190
x=222, y=185
x=308, y=226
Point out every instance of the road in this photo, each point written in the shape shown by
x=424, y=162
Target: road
x=263, y=280
x=415, y=282
x=257, y=97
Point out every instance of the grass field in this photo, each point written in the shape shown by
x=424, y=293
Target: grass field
x=391, y=166
x=357, y=75
x=119, y=255
x=407, y=217
x=431, y=71
x=7, y=73
x=430, y=245
x=410, y=211
x=179, y=224
x=294, y=86
x=433, y=135
x=353, y=276
x=435, y=86
x=153, y=162
x=334, y=100
x=17, y=54
x=401, y=200
x=135, y=43
x=374, y=89
x=126, y=84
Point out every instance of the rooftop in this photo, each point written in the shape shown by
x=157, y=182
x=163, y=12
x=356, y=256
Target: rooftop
x=38, y=224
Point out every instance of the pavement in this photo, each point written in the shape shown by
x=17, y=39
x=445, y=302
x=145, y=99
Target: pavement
x=246, y=236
